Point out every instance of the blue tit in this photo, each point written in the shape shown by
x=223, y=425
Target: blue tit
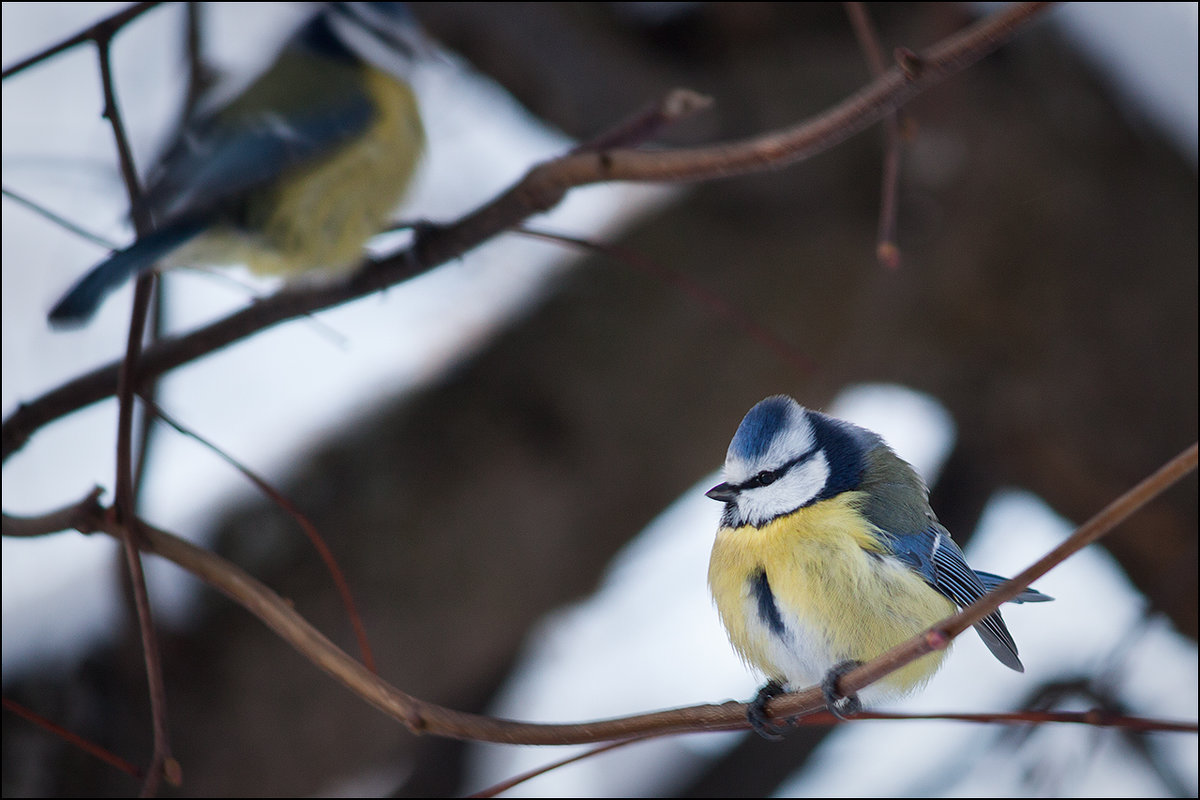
x=829, y=554
x=294, y=174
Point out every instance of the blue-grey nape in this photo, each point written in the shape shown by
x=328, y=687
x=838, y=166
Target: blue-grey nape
x=845, y=447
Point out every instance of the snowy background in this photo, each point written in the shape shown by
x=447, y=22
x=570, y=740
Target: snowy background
x=60, y=594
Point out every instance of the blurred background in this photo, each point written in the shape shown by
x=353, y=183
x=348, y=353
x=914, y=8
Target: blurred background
x=508, y=455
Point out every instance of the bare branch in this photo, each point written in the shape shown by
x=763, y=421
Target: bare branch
x=424, y=717
x=277, y=497
x=161, y=763
x=80, y=516
x=104, y=29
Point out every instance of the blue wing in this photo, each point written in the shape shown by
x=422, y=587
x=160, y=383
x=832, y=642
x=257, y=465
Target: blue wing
x=311, y=100
x=935, y=556
x=222, y=160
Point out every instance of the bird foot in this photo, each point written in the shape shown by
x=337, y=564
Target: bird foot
x=757, y=713
x=840, y=705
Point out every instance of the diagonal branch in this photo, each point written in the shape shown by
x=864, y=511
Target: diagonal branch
x=538, y=191
x=104, y=29
x=939, y=636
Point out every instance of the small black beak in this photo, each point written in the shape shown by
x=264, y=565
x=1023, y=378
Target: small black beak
x=722, y=492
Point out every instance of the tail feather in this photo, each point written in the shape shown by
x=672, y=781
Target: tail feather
x=991, y=581
x=992, y=629
x=995, y=635
x=81, y=302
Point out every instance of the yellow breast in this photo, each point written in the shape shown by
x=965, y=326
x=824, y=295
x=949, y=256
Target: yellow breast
x=838, y=593
x=324, y=214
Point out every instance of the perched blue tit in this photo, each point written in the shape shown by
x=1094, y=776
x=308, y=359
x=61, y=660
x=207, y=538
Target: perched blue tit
x=828, y=554
x=296, y=172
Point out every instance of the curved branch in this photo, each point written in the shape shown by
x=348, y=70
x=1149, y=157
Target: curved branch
x=424, y=717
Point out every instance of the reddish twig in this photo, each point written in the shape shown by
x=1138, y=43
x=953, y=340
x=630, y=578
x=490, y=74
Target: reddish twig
x=702, y=295
x=517, y=780
x=91, y=748
x=1096, y=717
x=306, y=525
x=887, y=251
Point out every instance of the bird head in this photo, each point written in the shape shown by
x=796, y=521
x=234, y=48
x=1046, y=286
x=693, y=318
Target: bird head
x=785, y=457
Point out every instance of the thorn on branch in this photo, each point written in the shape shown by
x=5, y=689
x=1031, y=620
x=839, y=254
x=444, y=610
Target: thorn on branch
x=911, y=64
x=888, y=254
x=937, y=639
x=678, y=104
x=173, y=772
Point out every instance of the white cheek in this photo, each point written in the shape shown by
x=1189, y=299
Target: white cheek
x=795, y=489
x=805, y=481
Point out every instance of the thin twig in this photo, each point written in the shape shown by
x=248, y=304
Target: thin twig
x=1097, y=717
x=306, y=525
x=676, y=105
x=692, y=288
x=89, y=747
x=517, y=780
x=102, y=29
x=162, y=764
x=200, y=75
x=887, y=251
x=58, y=219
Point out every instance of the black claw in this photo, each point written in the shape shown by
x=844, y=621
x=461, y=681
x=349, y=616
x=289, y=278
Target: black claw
x=757, y=713
x=840, y=705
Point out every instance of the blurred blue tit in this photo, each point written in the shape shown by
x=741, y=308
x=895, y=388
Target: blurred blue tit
x=296, y=172
x=828, y=554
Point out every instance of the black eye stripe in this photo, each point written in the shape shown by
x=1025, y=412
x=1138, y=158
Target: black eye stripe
x=769, y=476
